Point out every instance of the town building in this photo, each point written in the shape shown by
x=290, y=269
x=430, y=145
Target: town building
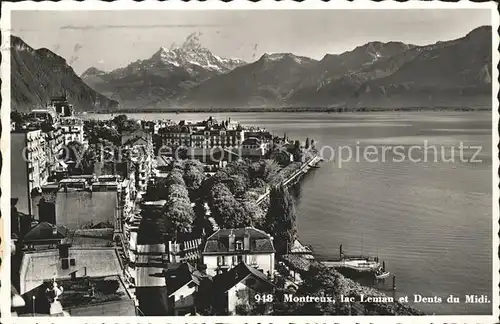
x=79, y=202
x=226, y=248
x=183, y=281
x=137, y=156
x=207, y=134
x=61, y=106
x=234, y=291
x=175, y=136
x=39, y=116
x=72, y=129
x=55, y=150
x=29, y=169
x=83, y=271
x=254, y=148
x=44, y=235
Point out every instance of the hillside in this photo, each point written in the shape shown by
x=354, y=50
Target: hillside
x=451, y=73
x=268, y=81
x=163, y=77
x=38, y=74
x=444, y=74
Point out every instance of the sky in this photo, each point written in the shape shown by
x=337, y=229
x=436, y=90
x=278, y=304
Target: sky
x=113, y=39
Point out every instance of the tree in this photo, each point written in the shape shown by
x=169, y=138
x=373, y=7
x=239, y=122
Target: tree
x=320, y=280
x=120, y=119
x=307, y=143
x=97, y=132
x=226, y=210
x=179, y=216
x=175, y=177
x=281, y=218
x=46, y=126
x=193, y=177
x=237, y=185
x=16, y=117
x=124, y=124
x=262, y=172
x=254, y=212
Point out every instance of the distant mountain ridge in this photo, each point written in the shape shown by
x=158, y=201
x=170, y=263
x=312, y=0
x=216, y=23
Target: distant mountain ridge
x=38, y=74
x=393, y=74
x=165, y=75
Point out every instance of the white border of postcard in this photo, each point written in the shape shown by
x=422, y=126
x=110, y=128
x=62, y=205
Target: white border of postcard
x=239, y=5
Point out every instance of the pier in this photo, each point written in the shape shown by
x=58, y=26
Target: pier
x=293, y=178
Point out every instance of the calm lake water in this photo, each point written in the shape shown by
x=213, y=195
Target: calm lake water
x=431, y=221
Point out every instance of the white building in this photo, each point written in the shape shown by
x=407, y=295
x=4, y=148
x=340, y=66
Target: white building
x=226, y=248
x=254, y=148
x=72, y=129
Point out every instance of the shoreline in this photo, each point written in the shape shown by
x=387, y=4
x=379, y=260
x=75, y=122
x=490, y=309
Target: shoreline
x=307, y=258
x=288, y=109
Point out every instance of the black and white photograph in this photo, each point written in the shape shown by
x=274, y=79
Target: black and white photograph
x=250, y=159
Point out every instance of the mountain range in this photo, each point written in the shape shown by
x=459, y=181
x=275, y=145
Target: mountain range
x=38, y=74
x=163, y=76
x=455, y=73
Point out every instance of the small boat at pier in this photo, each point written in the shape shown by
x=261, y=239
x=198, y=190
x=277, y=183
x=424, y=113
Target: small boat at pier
x=382, y=275
x=356, y=267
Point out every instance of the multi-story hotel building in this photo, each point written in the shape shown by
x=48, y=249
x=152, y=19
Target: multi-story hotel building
x=55, y=142
x=29, y=169
x=137, y=147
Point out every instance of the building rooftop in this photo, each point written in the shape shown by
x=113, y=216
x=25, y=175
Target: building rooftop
x=259, y=241
x=43, y=265
x=178, y=275
x=50, y=186
x=73, y=180
x=109, y=177
x=84, y=296
x=251, y=141
x=87, y=291
x=81, y=208
x=45, y=232
x=155, y=203
x=250, y=276
x=105, y=183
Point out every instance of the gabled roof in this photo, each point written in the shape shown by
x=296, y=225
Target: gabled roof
x=45, y=231
x=134, y=141
x=260, y=242
x=178, y=275
x=241, y=273
x=251, y=141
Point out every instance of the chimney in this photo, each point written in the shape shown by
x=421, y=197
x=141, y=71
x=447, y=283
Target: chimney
x=231, y=241
x=246, y=240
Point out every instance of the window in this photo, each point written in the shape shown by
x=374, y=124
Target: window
x=239, y=245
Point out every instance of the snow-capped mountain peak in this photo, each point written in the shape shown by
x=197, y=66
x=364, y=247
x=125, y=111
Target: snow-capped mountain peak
x=191, y=53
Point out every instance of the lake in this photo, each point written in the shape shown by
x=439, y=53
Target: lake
x=428, y=218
